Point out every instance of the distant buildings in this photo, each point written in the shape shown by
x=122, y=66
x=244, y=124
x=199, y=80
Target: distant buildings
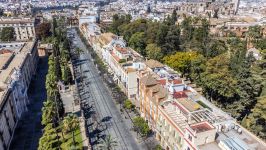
x=24, y=27
x=17, y=66
x=88, y=13
x=209, y=6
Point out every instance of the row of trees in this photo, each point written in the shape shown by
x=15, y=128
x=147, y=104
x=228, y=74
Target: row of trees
x=55, y=33
x=256, y=120
x=56, y=126
x=230, y=77
x=53, y=114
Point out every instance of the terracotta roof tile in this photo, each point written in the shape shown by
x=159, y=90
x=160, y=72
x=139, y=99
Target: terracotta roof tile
x=148, y=80
x=181, y=94
x=162, y=81
x=120, y=49
x=154, y=64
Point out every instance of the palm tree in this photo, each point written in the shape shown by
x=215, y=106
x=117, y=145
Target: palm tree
x=51, y=85
x=51, y=78
x=108, y=143
x=79, y=51
x=70, y=124
x=48, y=112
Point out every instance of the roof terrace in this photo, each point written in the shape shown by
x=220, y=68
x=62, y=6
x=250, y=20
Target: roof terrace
x=201, y=127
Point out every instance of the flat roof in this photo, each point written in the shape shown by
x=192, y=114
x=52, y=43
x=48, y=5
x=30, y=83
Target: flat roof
x=4, y=59
x=16, y=20
x=16, y=62
x=233, y=143
x=244, y=136
x=189, y=104
x=201, y=127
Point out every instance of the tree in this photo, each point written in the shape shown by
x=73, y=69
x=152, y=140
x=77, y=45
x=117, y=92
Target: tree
x=79, y=51
x=8, y=34
x=137, y=42
x=66, y=74
x=260, y=43
x=51, y=78
x=51, y=86
x=256, y=121
x=187, y=29
x=198, y=66
x=58, y=70
x=174, y=16
x=141, y=126
x=128, y=104
x=254, y=32
x=43, y=30
x=172, y=40
x=218, y=80
x=181, y=61
x=158, y=147
x=49, y=112
x=154, y=52
x=108, y=143
x=49, y=139
x=161, y=34
x=54, y=27
x=119, y=21
x=215, y=48
x=71, y=123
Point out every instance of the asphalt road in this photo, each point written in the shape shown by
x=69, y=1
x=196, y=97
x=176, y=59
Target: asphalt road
x=103, y=117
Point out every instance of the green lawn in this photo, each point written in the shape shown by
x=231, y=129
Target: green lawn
x=68, y=142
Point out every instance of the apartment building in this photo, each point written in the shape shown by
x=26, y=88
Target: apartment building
x=180, y=117
x=24, y=27
x=17, y=66
x=122, y=62
x=90, y=31
x=183, y=119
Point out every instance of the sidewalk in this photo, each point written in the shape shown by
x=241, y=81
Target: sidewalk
x=68, y=98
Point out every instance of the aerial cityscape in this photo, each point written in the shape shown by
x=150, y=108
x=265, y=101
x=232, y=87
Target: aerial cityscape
x=132, y=74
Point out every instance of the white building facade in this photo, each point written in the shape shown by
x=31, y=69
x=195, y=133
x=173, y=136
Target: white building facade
x=16, y=71
x=24, y=27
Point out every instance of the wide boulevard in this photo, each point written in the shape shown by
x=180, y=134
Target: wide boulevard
x=102, y=115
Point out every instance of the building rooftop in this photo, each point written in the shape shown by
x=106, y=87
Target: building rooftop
x=148, y=80
x=201, y=127
x=189, y=105
x=106, y=38
x=233, y=143
x=154, y=64
x=10, y=63
x=4, y=20
x=120, y=49
x=4, y=59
